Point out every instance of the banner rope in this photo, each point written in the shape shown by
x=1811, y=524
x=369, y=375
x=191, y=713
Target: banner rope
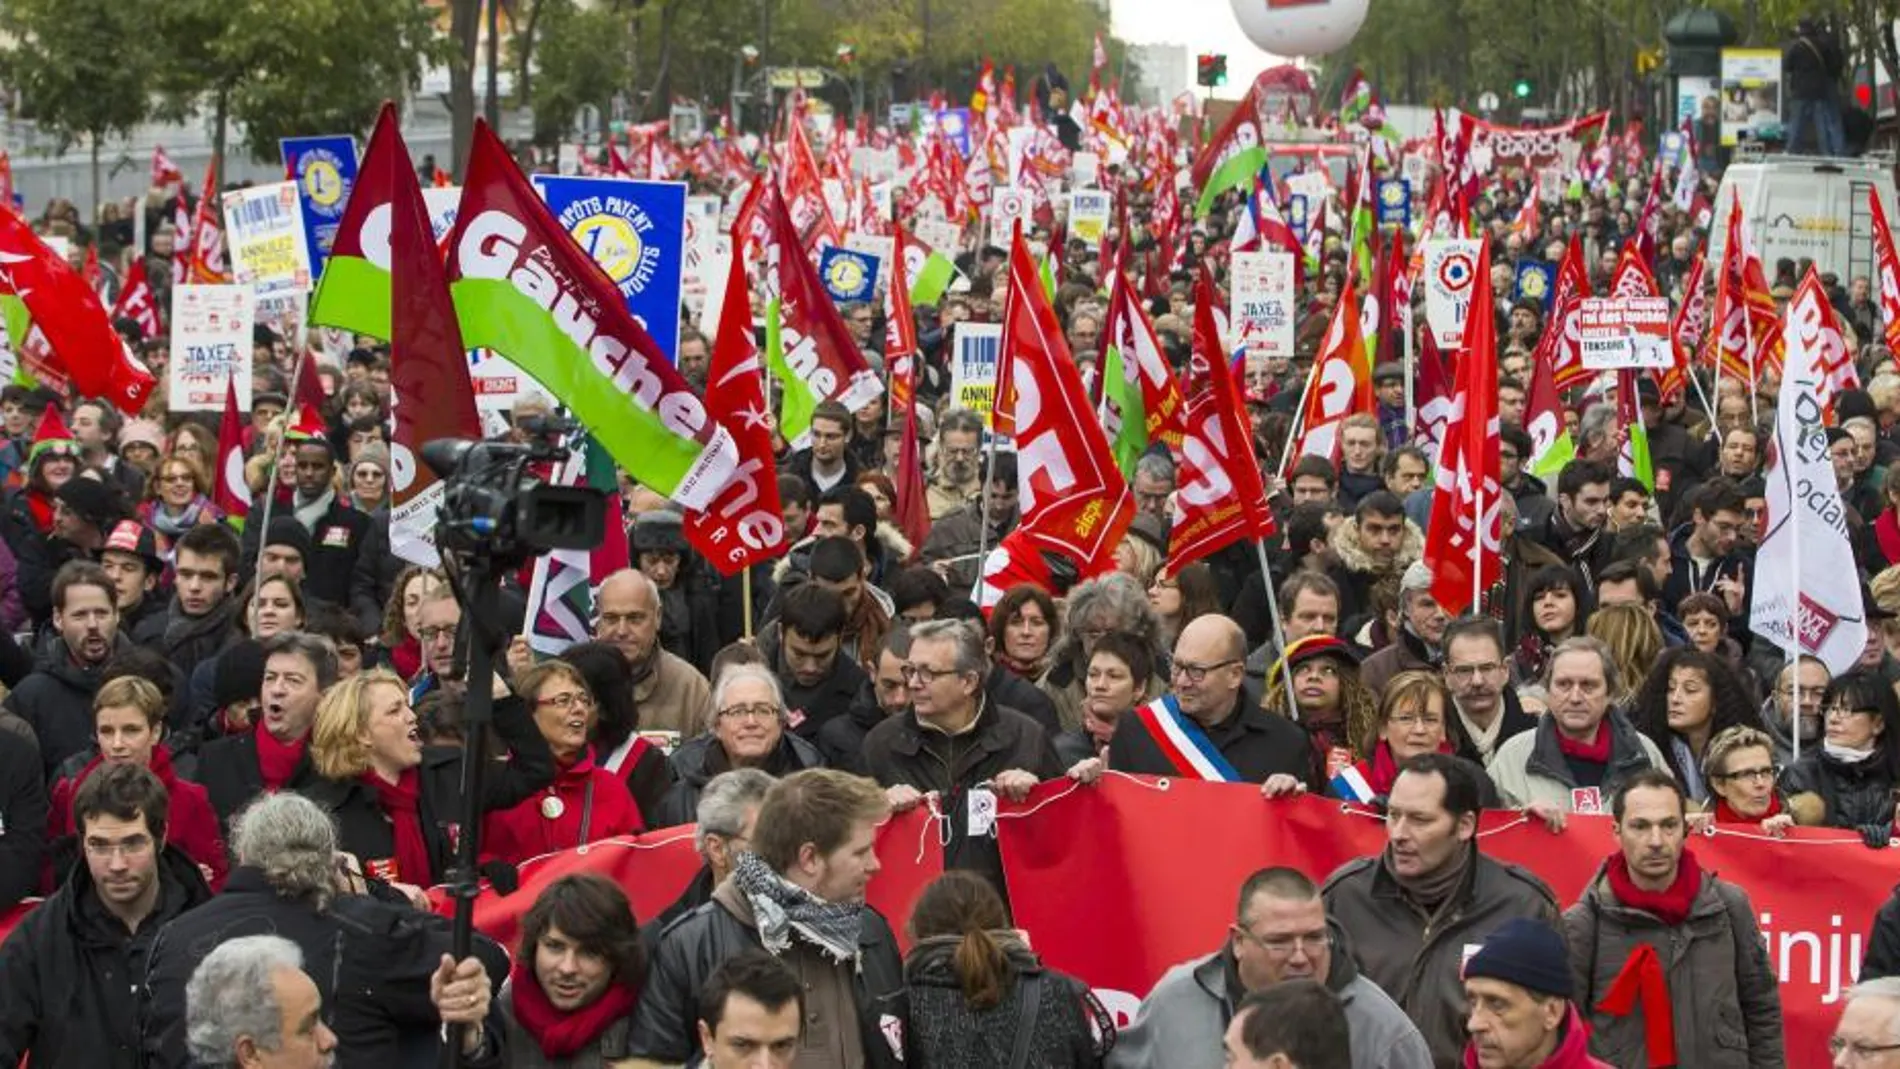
x=1160, y=784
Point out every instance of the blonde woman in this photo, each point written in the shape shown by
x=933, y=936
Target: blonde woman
x=1634, y=641
x=392, y=801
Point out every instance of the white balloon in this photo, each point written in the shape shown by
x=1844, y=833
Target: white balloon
x=1309, y=29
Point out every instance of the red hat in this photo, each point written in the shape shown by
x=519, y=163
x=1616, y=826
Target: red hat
x=307, y=427
x=1302, y=650
x=51, y=437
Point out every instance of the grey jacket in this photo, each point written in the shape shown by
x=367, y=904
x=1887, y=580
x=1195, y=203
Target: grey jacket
x=1418, y=964
x=1182, y=1020
x=1529, y=767
x=1722, y=989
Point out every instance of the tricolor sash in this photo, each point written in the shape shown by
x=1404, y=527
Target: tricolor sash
x=1351, y=785
x=1183, y=743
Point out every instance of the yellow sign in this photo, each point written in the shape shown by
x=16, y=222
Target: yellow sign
x=796, y=77
x=613, y=244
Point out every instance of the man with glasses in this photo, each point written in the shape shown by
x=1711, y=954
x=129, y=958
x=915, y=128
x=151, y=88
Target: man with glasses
x=1478, y=675
x=953, y=480
x=438, y=624
x=1868, y=1035
x=1280, y=933
x=71, y=974
x=1205, y=728
x=748, y=731
x=1704, y=556
x=957, y=744
x=1416, y=908
x=1778, y=713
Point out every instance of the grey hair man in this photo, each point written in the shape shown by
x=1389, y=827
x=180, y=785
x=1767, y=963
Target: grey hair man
x=1868, y=1035
x=1532, y=770
x=372, y=955
x=727, y=815
x=250, y=1006
x=1112, y=602
x=1154, y=482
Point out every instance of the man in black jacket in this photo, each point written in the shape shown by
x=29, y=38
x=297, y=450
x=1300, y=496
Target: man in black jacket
x=1813, y=63
x=272, y=756
x=371, y=958
x=203, y=610
x=56, y=700
x=65, y=974
x=347, y=548
x=955, y=743
x=806, y=651
x=22, y=816
x=813, y=853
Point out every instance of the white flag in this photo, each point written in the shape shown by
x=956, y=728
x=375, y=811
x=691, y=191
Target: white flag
x=1807, y=592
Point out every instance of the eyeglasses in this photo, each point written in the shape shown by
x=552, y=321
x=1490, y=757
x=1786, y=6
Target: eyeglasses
x=565, y=701
x=1281, y=946
x=1414, y=720
x=175, y=477
x=431, y=634
x=1752, y=775
x=131, y=849
x=918, y=673
x=1856, y=1050
x=760, y=711
x=962, y=453
x=1465, y=673
x=1195, y=673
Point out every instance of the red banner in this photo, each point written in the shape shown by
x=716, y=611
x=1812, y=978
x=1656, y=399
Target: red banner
x=1168, y=897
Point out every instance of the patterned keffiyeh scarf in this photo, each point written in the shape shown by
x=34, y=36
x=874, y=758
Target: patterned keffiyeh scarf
x=783, y=908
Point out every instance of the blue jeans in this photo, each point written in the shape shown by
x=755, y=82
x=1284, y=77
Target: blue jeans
x=1825, y=118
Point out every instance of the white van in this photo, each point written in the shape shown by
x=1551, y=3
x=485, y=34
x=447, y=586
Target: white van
x=1809, y=207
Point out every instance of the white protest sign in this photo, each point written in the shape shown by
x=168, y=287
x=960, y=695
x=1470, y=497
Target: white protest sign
x=702, y=230
x=973, y=353
x=567, y=159
x=1261, y=312
x=263, y=230
x=1089, y=210
x=284, y=309
x=1085, y=170
x=1551, y=184
x=1010, y=206
x=1416, y=170
x=1617, y=332
x=211, y=346
x=837, y=201
x=943, y=236
x=873, y=245
x=1451, y=266
x=718, y=273
x=1315, y=186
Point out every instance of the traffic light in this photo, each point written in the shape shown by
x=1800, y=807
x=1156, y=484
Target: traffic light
x=1522, y=88
x=1211, y=69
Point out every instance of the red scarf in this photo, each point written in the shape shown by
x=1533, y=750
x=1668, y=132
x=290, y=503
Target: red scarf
x=1671, y=906
x=41, y=506
x=1887, y=535
x=1725, y=815
x=1382, y=771
x=399, y=803
x=1596, y=751
x=277, y=761
x=406, y=658
x=564, y=1034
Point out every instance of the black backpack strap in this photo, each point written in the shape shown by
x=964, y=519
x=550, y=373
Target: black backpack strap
x=1026, y=1022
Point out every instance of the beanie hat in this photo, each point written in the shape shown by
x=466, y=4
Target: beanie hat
x=288, y=531
x=1528, y=953
x=659, y=531
x=372, y=453
x=91, y=501
x=239, y=674
x=142, y=432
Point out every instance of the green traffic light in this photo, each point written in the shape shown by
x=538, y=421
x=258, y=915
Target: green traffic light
x=1522, y=89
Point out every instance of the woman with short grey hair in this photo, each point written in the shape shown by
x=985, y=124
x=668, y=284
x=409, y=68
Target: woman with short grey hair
x=1112, y=602
x=748, y=729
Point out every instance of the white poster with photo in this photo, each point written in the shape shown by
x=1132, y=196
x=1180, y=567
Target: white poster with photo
x=1089, y=210
x=1691, y=91
x=1085, y=169
x=1751, y=94
x=1262, y=303
x=263, y=230
x=837, y=201
x=1619, y=332
x=973, y=362
x=210, y=347
x=718, y=274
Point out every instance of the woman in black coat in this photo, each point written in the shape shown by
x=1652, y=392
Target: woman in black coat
x=1853, y=772
x=398, y=810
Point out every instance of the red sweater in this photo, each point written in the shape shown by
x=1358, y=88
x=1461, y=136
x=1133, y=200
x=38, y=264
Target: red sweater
x=525, y=831
x=190, y=822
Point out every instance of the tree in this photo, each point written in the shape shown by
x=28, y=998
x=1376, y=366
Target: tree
x=281, y=67
x=585, y=55
x=80, y=67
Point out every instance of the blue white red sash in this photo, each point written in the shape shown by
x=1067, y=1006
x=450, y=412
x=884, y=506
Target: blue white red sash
x=1183, y=743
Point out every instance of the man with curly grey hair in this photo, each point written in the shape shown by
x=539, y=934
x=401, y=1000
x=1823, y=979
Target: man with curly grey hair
x=375, y=959
x=250, y=1004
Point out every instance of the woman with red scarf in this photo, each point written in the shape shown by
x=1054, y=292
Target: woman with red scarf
x=1414, y=717
x=396, y=814
x=128, y=720
x=26, y=515
x=569, y=1001
x=400, y=643
x=1740, y=768
x=586, y=802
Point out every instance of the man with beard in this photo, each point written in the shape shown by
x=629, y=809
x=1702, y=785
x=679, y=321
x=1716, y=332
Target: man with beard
x=1373, y=549
x=820, y=680
x=56, y=700
x=271, y=756
x=572, y=992
x=1778, y=714
x=695, y=357
x=826, y=462
x=957, y=541
x=204, y=574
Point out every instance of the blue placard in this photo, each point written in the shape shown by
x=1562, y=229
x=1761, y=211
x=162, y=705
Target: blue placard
x=1297, y=217
x=324, y=169
x=954, y=124
x=848, y=275
x=1535, y=281
x=636, y=232
x=1393, y=198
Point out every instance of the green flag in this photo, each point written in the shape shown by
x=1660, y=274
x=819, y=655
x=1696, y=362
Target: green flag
x=929, y=283
x=1122, y=402
x=1633, y=461
x=796, y=400
x=1238, y=170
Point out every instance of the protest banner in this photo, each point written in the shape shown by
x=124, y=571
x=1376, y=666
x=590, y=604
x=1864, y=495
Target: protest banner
x=1450, y=267
x=944, y=236
x=1261, y=303
x=973, y=355
x=1169, y=855
x=1012, y=205
x=702, y=231
x=1089, y=210
x=1313, y=185
x=1394, y=200
x=1751, y=94
x=1085, y=170
x=1617, y=332
x=264, y=233
x=324, y=171
x=210, y=347
x=848, y=276
x=636, y=232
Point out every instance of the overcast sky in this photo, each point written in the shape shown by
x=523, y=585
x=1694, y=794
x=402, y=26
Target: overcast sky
x=1201, y=25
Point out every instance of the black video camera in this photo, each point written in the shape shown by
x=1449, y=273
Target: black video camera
x=495, y=505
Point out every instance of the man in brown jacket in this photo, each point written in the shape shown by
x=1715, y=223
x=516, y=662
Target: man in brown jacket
x=1652, y=910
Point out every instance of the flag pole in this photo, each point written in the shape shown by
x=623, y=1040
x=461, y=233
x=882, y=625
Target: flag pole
x=1298, y=424
x=1477, y=543
x=1706, y=406
x=983, y=510
x=1794, y=606
x=1273, y=596
x=1411, y=369
x=745, y=595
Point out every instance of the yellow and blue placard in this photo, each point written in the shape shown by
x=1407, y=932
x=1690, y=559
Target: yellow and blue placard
x=848, y=275
x=1297, y=216
x=1394, y=199
x=324, y=169
x=1535, y=280
x=636, y=232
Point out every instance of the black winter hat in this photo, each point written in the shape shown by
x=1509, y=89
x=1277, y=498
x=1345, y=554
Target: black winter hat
x=288, y=531
x=1528, y=953
x=239, y=674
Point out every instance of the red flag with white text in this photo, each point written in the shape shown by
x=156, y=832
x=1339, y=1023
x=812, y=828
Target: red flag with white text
x=135, y=301
x=1462, y=542
x=1887, y=266
x=743, y=525
x=1341, y=381
x=69, y=315
x=1558, y=346
x=912, y=509
x=164, y=171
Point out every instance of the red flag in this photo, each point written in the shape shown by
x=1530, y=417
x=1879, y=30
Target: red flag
x=428, y=364
x=1557, y=346
x=164, y=171
x=1462, y=540
x=743, y=523
x=135, y=301
x=1810, y=318
x=181, y=236
x=900, y=354
x=6, y=182
x=231, y=492
x=208, y=262
x=804, y=191
x=90, y=271
x=1220, y=498
x=1433, y=396
x=1341, y=381
x=1692, y=316
x=1074, y=500
x=1747, y=325
x=68, y=313
x=1887, y=262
